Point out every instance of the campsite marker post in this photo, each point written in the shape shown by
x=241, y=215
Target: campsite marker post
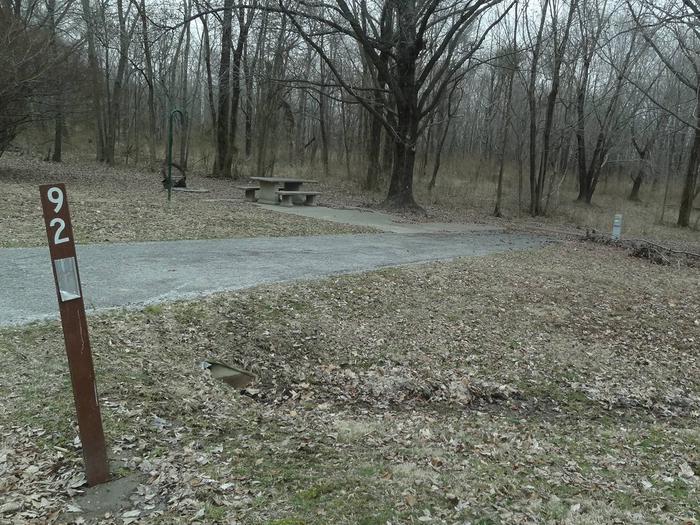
x=617, y=227
x=59, y=232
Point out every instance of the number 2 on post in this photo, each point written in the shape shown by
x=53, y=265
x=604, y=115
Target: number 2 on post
x=57, y=239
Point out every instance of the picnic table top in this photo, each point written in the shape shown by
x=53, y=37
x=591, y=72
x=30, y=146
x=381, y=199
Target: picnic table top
x=282, y=179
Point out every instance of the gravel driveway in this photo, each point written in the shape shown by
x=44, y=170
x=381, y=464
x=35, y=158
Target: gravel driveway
x=133, y=274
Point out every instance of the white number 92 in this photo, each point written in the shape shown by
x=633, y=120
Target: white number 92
x=55, y=196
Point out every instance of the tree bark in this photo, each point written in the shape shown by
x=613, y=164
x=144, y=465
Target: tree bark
x=58, y=95
x=221, y=163
x=551, y=106
x=237, y=66
x=210, y=81
x=151, y=87
x=504, y=141
x=184, y=94
x=373, y=150
x=439, y=148
x=532, y=104
x=115, y=103
x=691, y=173
x=401, y=186
x=323, y=121
x=400, y=194
x=95, y=82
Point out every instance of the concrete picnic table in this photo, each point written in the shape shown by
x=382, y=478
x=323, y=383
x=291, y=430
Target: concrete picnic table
x=269, y=186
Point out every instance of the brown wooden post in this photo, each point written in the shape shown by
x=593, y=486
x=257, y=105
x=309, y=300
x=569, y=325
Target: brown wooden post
x=59, y=232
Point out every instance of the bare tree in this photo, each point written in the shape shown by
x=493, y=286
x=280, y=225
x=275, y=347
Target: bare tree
x=428, y=43
x=657, y=23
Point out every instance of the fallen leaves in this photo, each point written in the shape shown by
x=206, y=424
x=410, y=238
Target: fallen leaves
x=124, y=204
x=557, y=385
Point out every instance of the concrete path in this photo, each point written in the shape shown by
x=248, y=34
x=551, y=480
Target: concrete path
x=133, y=274
x=380, y=221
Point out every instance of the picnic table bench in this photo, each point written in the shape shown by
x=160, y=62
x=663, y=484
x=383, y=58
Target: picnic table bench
x=270, y=188
x=288, y=196
x=249, y=192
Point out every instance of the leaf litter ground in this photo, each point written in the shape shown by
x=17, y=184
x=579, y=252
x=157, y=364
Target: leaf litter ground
x=559, y=385
x=123, y=204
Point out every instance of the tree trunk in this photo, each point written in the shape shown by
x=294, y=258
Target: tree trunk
x=184, y=95
x=247, y=69
x=438, y=151
x=581, y=133
x=221, y=163
x=346, y=142
x=323, y=120
x=210, y=80
x=373, y=149
x=532, y=104
x=58, y=96
x=506, y=121
x=115, y=105
x=400, y=193
x=427, y=144
x=95, y=82
x=58, y=133
x=636, y=185
x=151, y=88
x=387, y=159
x=504, y=143
x=301, y=128
x=691, y=173
x=551, y=106
x=401, y=187
x=244, y=25
x=671, y=150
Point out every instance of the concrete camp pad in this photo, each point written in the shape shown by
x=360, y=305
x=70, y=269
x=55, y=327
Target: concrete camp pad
x=379, y=220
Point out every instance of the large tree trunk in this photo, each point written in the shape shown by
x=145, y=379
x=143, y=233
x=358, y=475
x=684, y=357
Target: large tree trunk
x=400, y=193
x=401, y=186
